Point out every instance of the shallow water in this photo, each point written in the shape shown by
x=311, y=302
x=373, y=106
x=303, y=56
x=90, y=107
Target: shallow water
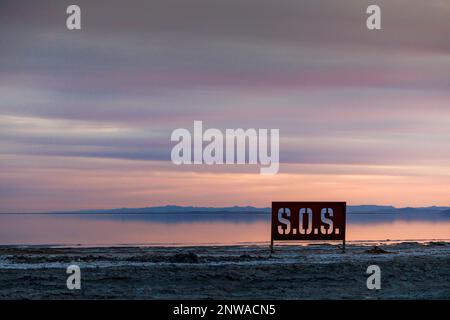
x=198, y=229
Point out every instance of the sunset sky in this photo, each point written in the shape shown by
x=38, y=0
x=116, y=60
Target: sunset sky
x=86, y=116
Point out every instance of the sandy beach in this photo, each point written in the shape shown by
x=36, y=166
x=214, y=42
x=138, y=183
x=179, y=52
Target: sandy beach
x=409, y=271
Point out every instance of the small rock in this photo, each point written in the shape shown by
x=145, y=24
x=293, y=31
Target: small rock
x=376, y=250
x=185, y=258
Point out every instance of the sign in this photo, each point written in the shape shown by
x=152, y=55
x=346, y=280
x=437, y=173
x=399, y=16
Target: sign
x=308, y=221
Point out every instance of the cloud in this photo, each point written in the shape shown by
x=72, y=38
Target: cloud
x=340, y=94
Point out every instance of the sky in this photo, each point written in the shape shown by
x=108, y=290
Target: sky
x=86, y=116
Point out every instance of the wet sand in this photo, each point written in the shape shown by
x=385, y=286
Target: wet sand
x=409, y=271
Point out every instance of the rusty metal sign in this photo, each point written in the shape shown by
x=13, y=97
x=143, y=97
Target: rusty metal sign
x=308, y=221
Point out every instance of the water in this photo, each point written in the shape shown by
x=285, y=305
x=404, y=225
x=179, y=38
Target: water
x=199, y=229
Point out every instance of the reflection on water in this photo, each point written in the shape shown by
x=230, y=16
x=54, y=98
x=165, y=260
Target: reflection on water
x=187, y=229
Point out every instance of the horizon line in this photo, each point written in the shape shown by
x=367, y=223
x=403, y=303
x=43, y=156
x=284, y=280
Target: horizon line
x=74, y=211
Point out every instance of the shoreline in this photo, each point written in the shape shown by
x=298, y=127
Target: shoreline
x=262, y=244
x=410, y=270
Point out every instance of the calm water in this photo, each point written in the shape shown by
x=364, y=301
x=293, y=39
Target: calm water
x=187, y=229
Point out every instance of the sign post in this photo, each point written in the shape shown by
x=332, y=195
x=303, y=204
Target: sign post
x=308, y=221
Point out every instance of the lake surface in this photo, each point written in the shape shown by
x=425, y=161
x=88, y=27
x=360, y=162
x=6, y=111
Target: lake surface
x=199, y=229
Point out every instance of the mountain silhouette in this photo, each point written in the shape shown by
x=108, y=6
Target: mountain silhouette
x=360, y=209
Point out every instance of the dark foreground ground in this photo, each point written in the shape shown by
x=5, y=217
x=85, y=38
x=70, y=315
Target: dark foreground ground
x=409, y=271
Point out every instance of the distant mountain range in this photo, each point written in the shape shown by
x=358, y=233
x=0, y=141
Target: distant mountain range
x=182, y=209
x=248, y=209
